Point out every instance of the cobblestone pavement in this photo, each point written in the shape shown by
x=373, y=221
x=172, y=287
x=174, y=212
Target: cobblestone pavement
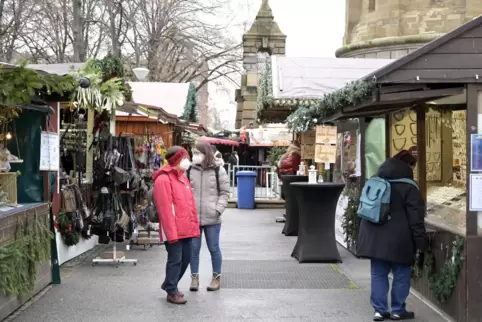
x=260, y=283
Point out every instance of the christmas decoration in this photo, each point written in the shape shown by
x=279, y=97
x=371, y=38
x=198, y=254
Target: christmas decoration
x=190, y=110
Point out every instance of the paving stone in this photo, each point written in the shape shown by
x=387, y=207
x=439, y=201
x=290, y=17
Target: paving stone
x=254, y=252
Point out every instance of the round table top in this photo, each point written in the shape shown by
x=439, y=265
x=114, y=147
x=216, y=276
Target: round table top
x=318, y=185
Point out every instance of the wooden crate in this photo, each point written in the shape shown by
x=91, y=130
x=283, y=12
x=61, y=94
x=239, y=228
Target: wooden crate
x=8, y=184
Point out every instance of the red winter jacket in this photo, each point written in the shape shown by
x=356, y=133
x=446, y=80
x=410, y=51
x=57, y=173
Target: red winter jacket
x=175, y=205
x=290, y=164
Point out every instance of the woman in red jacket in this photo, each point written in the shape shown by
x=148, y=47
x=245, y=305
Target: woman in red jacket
x=290, y=161
x=178, y=220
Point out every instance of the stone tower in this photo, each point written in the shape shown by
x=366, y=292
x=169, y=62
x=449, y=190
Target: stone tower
x=266, y=37
x=394, y=28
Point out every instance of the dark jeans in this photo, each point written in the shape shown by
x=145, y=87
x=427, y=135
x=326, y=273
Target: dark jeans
x=178, y=258
x=402, y=275
x=212, y=240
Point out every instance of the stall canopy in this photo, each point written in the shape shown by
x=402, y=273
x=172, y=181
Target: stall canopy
x=270, y=136
x=218, y=141
x=288, y=83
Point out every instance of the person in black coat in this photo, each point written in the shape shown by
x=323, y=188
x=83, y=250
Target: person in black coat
x=392, y=246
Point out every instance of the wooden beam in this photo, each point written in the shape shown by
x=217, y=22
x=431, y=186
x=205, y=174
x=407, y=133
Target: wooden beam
x=471, y=128
x=401, y=88
x=421, y=95
x=421, y=150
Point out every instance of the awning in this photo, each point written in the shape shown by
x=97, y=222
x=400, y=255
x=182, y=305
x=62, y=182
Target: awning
x=218, y=141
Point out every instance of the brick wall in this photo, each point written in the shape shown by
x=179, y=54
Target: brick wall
x=394, y=18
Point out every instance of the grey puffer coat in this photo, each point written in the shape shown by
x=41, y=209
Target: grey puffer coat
x=209, y=203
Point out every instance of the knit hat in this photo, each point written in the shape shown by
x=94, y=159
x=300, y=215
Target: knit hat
x=177, y=157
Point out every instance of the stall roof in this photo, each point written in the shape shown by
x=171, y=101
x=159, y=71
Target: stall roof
x=312, y=78
x=57, y=69
x=171, y=97
x=453, y=57
x=218, y=141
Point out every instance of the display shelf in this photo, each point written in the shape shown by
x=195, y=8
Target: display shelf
x=447, y=206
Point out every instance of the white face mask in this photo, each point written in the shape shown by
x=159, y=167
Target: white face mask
x=197, y=158
x=185, y=164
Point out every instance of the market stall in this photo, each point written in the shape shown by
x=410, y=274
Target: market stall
x=429, y=104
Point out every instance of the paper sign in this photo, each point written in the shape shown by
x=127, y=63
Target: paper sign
x=308, y=152
x=308, y=137
x=326, y=134
x=475, y=191
x=49, y=151
x=325, y=153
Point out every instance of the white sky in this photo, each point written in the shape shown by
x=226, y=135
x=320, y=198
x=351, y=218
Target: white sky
x=314, y=29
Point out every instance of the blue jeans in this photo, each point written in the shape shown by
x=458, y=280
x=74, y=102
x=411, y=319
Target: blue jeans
x=402, y=275
x=178, y=257
x=212, y=239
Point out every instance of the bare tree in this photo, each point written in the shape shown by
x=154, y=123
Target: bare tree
x=178, y=42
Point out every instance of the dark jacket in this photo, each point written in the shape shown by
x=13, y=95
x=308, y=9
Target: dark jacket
x=398, y=239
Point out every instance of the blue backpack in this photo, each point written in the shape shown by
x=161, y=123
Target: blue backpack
x=375, y=199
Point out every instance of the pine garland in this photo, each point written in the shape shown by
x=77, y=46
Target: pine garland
x=444, y=282
x=349, y=222
x=19, y=83
x=190, y=109
x=19, y=260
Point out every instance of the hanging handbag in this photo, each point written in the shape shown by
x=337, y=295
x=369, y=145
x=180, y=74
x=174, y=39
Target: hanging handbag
x=120, y=176
x=69, y=203
x=124, y=219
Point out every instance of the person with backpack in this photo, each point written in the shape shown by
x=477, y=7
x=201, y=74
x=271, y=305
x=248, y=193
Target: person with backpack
x=178, y=220
x=392, y=232
x=210, y=185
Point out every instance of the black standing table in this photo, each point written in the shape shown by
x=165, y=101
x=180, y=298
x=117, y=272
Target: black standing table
x=292, y=215
x=316, y=235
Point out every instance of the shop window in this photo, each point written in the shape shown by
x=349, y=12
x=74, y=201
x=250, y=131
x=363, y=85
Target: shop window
x=371, y=5
x=446, y=157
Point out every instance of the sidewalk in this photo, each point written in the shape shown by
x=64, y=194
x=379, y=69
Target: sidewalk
x=261, y=283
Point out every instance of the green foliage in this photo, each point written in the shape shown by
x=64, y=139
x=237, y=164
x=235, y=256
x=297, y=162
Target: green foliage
x=306, y=118
x=101, y=94
x=444, y=282
x=111, y=67
x=20, y=259
x=19, y=83
x=349, y=222
x=190, y=113
x=274, y=155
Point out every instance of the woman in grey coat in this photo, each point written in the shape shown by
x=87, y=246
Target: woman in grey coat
x=210, y=185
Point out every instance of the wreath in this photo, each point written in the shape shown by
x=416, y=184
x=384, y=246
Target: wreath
x=69, y=235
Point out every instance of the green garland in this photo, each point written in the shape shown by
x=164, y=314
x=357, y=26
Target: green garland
x=349, y=222
x=444, y=282
x=19, y=83
x=19, y=260
x=190, y=109
x=69, y=235
x=274, y=155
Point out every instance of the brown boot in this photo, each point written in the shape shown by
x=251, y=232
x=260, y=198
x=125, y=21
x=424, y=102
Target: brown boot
x=194, y=283
x=176, y=299
x=163, y=287
x=215, y=284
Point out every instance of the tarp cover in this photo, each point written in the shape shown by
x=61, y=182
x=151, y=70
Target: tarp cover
x=218, y=141
x=30, y=183
x=295, y=77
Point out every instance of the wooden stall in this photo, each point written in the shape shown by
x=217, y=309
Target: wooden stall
x=431, y=102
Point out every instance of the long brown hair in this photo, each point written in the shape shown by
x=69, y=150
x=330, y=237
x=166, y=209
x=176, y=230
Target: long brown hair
x=206, y=150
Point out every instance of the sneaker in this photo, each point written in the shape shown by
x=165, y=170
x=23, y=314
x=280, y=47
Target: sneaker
x=402, y=316
x=381, y=316
x=176, y=299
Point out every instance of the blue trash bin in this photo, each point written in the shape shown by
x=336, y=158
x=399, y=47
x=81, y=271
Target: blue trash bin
x=246, y=188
